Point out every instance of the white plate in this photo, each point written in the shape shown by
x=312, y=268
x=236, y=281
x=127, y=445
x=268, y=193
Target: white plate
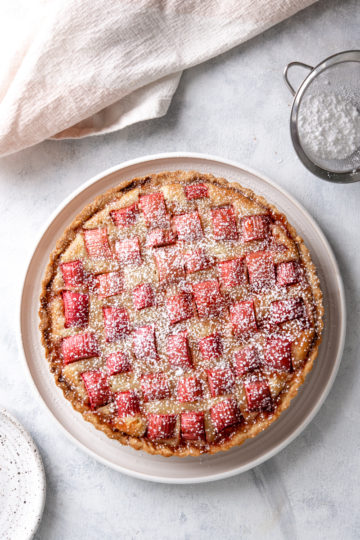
x=253, y=452
x=22, y=481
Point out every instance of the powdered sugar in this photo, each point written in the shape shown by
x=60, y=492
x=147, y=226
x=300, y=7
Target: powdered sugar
x=168, y=338
x=329, y=126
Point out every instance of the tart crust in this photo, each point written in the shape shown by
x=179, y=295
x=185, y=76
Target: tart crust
x=235, y=436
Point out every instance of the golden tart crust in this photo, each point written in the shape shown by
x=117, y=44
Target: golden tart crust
x=170, y=278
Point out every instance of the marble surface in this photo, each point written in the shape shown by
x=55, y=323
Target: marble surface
x=235, y=106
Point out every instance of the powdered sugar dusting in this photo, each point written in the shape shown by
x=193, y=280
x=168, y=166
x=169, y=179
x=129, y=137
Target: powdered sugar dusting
x=329, y=126
x=163, y=318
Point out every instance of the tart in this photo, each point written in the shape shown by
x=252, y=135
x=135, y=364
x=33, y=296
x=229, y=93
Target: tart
x=180, y=313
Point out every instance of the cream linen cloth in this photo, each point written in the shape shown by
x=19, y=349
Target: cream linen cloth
x=73, y=68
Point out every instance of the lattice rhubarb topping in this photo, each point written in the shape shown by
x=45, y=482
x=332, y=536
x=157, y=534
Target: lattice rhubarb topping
x=197, y=260
x=232, y=273
x=127, y=403
x=196, y=191
x=179, y=307
x=278, y=353
x=118, y=362
x=211, y=347
x=178, y=351
x=261, y=270
x=128, y=251
x=79, y=346
x=154, y=211
x=97, y=243
x=161, y=426
x=221, y=381
x=209, y=301
x=97, y=388
x=224, y=223
x=76, y=309
x=225, y=414
x=188, y=227
x=160, y=238
x=189, y=389
x=258, y=395
x=109, y=284
x=125, y=217
x=154, y=386
x=143, y=296
x=73, y=274
x=180, y=314
x=192, y=426
x=144, y=345
x=246, y=359
x=116, y=323
x=254, y=228
x=287, y=273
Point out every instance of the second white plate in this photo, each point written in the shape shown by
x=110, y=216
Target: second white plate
x=253, y=452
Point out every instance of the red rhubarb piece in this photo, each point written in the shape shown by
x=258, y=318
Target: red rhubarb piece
x=211, y=347
x=97, y=243
x=127, y=403
x=178, y=352
x=109, y=284
x=286, y=310
x=192, y=426
x=277, y=353
x=154, y=210
x=143, y=296
x=144, y=345
x=287, y=273
x=154, y=386
x=225, y=414
x=221, y=381
x=189, y=389
x=254, y=228
x=232, y=273
x=224, y=223
x=242, y=317
x=125, y=217
x=73, y=273
x=188, y=226
x=118, y=362
x=179, y=307
x=261, y=269
x=197, y=260
x=128, y=251
x=196, y=191
x=79, y=347
x=160, y=238
x=76, y=309
x=116, y=323
x=208, y=298
x=97, y=388
x=161, y=426
x=258, y=395
x=170, y=266
x=246, y=359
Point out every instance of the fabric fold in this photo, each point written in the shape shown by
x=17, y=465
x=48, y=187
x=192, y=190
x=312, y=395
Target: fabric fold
x=77, y=68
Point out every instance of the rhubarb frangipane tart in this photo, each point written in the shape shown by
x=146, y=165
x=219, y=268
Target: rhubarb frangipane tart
x=180, y=313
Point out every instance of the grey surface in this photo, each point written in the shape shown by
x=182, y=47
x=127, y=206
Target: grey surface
x=235, y=106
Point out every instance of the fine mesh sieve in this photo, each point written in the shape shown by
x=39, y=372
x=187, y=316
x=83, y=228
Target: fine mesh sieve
x=338, y=75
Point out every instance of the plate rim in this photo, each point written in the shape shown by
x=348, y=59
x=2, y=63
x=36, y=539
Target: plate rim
x=320, y=400
x=39, y=465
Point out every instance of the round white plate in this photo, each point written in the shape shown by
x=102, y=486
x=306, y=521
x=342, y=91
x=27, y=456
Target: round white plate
x=253, y=452
x=22, y=481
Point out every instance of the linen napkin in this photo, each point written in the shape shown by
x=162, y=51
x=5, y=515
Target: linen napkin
x=73, y=68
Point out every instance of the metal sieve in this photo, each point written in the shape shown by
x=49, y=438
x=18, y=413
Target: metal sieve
x=339, y=74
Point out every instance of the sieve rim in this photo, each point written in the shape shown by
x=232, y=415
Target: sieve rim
x=345, y=177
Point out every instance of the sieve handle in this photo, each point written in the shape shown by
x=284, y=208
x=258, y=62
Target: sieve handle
x=292, y=64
